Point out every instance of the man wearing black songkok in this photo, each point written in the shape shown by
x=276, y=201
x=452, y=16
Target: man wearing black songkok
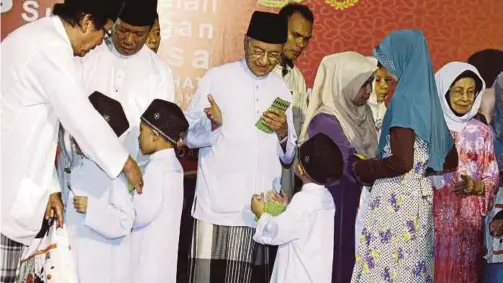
x=124, y=69
x=236, y=158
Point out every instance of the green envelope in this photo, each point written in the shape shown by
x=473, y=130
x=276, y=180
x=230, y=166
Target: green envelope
x=273, y=209
x=279, y=105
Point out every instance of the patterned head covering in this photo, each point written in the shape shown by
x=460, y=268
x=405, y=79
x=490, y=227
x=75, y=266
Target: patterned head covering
x=415, y=104
x=497, y=121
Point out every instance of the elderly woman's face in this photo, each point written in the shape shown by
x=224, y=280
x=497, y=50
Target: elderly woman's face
x=462, y=95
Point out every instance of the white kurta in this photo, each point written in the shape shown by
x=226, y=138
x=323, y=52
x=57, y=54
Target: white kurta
x=135, y=81
x=236, y=160
x=304, y=233
x=156, y=229
x=100, y=237
x=295, y=82
x=41, y=87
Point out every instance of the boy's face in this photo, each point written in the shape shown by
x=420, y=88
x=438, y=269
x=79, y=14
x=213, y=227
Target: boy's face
x=147, y=139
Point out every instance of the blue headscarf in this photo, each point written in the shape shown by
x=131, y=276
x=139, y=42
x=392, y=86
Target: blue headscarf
x=415, y=104
x=497, y=121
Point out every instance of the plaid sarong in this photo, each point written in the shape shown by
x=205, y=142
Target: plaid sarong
x=11, y=254
x=224, y=254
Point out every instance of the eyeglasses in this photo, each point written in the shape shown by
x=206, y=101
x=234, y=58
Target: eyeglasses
x=458, y=92
x=107, y=33
x=271, y=58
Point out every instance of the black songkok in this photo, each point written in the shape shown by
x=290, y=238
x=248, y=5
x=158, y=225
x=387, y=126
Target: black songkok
x=139, y=12
x=322, y=159
x=112, y=112
x=268, y=28
x=167, y=119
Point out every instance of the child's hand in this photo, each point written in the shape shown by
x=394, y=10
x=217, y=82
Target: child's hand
x=80, y=204
x=274, y=197
x=258, y=204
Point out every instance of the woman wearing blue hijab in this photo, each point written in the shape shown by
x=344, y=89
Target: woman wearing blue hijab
x=396, y=244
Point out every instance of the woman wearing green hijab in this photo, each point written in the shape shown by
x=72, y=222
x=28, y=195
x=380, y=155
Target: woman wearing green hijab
x=396, y=244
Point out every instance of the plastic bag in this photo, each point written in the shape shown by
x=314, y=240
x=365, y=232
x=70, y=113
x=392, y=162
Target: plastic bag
x=48, y=259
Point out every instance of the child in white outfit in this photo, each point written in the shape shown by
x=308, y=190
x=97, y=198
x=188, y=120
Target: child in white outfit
x=304, y=232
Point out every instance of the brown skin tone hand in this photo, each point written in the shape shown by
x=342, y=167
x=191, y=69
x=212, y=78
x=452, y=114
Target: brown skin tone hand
x=277, y=121
x=54, y=209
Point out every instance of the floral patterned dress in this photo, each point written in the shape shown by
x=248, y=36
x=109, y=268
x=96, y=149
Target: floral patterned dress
x=396, y=244
x=459, y=218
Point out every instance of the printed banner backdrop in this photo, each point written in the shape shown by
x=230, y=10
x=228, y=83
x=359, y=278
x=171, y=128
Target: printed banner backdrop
x=199, y=34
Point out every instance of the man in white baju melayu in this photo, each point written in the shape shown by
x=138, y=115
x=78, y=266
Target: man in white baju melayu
x=236, y=159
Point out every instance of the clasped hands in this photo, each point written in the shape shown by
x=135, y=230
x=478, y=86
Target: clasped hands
x=258, y=201
x=468, y=186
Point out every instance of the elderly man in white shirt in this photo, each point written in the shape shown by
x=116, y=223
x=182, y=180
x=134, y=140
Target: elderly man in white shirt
x=236, y=159
x=300, y=29
x=41, y=87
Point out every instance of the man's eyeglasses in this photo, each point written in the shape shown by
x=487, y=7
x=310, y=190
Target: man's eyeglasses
x=107, y=33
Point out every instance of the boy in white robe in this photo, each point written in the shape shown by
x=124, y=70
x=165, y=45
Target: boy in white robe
x=158, y=210
x=304, y=232
x=101, y=215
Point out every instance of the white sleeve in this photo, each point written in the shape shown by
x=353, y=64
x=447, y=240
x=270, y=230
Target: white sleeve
x=55, y=186
x=55, y=73
x=168, y=87
x=148, y=205
x=286, y=156
x=281, y=229
x=200, y=133
x=115, y=218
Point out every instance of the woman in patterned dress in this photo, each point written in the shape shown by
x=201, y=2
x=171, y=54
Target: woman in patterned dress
x=461, y=199
x=397, y=239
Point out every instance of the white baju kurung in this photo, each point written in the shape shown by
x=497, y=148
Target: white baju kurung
x=41, y=87
x=156, y=229
x=304, y=233
x=295, y=82
x=237, y=160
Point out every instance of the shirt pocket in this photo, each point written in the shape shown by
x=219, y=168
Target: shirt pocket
x=230, y=193
x=29, y=205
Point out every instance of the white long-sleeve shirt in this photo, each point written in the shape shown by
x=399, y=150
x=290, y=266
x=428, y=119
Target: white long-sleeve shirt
x=304, y=233
x=156, y=229
x=135, y=81
x=296, y=83
x=41, y=87
x=100, y=238
x=236, y=160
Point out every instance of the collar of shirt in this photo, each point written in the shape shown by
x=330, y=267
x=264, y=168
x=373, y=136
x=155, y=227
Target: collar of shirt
x=60, y=28
x=312, y=187
x=249, y=72
x=163, y=154
x=114, y=51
